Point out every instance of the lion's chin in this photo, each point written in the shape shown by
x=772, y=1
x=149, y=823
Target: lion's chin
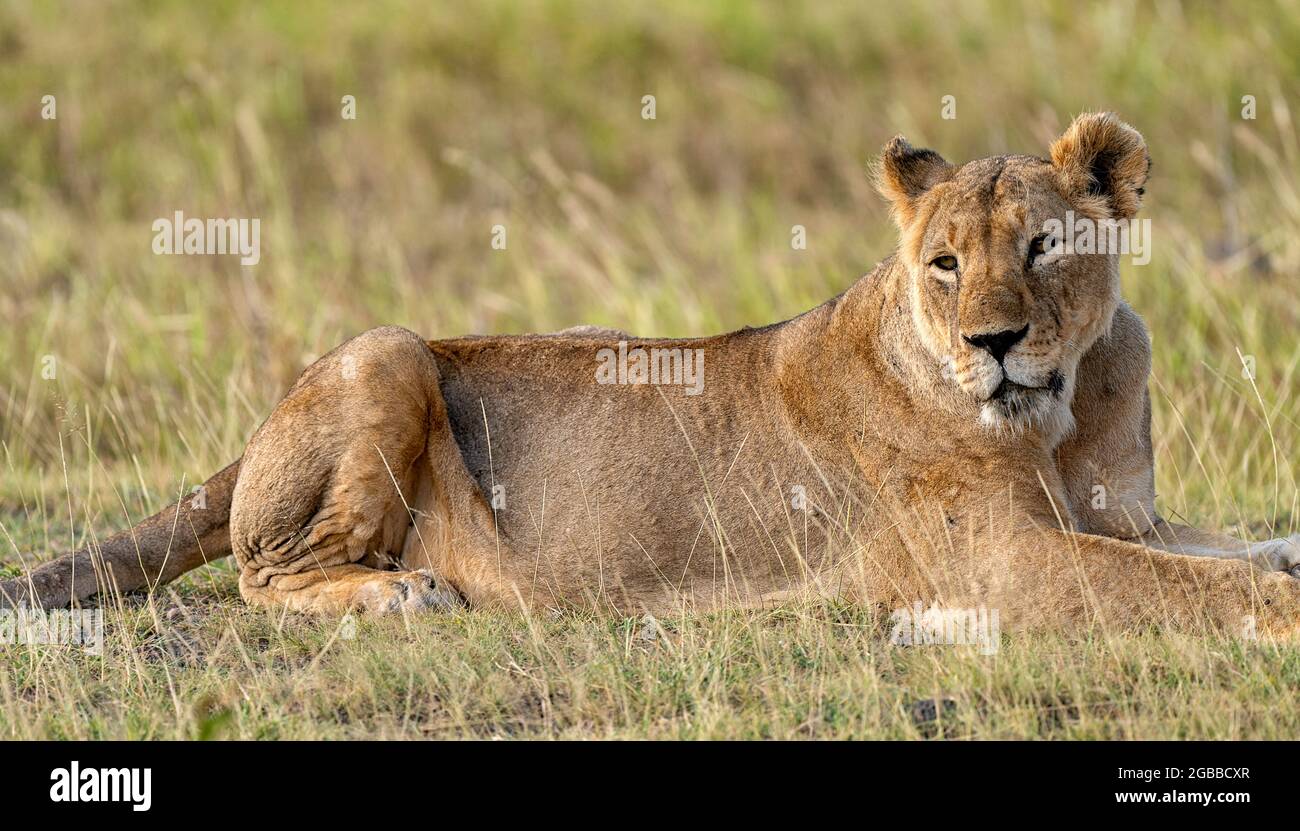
x=1015, y=408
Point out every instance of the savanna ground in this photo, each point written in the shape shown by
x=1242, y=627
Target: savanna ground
x=529, y=115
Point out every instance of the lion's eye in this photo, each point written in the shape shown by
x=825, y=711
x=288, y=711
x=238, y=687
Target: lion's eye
x=1038, y=246
x=945, y=263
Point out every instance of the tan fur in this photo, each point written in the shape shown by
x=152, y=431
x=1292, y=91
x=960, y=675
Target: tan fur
x=872, y=448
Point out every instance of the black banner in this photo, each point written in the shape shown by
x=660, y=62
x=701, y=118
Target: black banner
x=139, y=782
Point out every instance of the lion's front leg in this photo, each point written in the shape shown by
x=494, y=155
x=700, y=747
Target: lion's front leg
x=1062, y=578
x=1107, y=464
x=1271, y=555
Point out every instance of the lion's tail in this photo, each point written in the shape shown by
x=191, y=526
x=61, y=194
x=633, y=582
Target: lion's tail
x=181, y=537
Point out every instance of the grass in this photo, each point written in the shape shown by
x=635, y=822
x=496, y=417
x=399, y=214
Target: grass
x=528, y=115
x=195, y=664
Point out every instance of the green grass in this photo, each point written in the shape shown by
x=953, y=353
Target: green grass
x=196, y=664
x=528, y=115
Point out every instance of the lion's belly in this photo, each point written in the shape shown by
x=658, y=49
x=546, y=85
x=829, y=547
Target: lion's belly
x=638, y=496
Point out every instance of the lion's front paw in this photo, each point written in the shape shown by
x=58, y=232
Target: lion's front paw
x=1279, y=555
x=403, y=591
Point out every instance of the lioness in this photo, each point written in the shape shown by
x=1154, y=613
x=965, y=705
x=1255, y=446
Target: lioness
x=968, y=424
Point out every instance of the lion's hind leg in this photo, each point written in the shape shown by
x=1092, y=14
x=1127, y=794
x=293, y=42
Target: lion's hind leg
x=322, y=495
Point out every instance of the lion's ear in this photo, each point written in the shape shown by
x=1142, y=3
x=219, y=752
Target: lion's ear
x=1100, y=157
x=904, y=173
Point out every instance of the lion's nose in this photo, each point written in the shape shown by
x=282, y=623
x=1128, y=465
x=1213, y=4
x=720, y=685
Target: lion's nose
x=997, y=344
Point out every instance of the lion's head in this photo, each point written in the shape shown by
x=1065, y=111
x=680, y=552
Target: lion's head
x=998, y=300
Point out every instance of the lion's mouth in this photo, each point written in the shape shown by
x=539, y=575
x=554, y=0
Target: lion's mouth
x=1009, y=390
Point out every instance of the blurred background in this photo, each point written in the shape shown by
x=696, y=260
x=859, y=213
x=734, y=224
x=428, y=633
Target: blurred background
x=529, y=115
